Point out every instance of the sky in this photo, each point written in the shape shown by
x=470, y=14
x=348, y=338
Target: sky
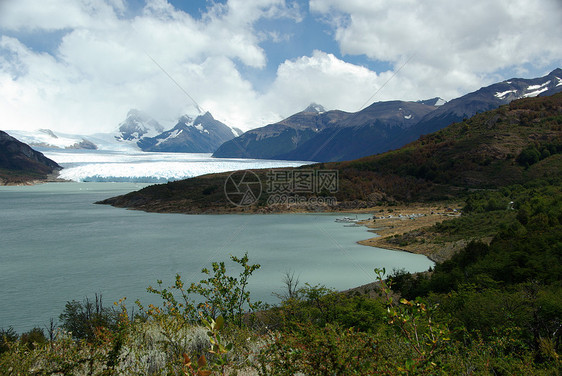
x=78, y=66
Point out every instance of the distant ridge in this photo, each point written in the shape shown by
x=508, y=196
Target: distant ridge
x=327, y=136
x=318, y=135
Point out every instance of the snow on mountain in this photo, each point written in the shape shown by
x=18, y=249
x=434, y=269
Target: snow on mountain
x=503, y=94
x=138, y=125
x=316, y=108
x=200, y=134
x=46, y=138
x=508, y=91
x=525, y=92
x=437, y=101
x=534, y=90
x=139, y=131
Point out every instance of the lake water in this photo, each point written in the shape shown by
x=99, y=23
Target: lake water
x=57, y=246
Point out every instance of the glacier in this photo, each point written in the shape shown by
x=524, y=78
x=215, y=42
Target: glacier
x=149, y=167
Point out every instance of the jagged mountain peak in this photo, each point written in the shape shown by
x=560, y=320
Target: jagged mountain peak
x=200, y=118
x=437, y=101
x=138, y=125
x=315, y=108
x=191, y=134
x=185, y=119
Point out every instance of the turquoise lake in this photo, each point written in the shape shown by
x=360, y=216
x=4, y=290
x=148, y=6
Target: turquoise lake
x=56, y=246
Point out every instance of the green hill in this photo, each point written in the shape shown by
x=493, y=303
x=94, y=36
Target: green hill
x=512, y=144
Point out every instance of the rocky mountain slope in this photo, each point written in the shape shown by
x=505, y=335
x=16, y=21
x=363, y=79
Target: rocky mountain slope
x=484, y=99
x=20, y=164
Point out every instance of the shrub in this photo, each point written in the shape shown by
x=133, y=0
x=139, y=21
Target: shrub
x=82, y=319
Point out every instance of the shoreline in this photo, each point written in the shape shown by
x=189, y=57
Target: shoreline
x=53, y=177
x=404, y=228
x=399, y=224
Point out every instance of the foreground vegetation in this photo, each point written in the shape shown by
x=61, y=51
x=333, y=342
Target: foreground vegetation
x=493, y=308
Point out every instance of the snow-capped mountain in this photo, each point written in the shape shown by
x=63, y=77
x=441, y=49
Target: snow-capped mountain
x=138, y=125
x=46, y=138
x=139, y=131
x=201, y=134
x=315, y=107
x=484, y=99
x=319, y=135
x=324, y=136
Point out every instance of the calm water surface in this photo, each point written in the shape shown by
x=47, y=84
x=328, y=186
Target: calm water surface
x=56, y=245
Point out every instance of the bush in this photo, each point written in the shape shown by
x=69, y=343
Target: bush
x=82, y=319
x=529, y=157
x=7, y=337
x=34, y=337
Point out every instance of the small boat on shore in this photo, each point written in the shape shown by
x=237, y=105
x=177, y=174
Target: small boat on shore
x=347, y=220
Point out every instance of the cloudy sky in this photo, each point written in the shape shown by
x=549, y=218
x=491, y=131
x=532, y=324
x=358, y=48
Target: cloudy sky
x=79, y=65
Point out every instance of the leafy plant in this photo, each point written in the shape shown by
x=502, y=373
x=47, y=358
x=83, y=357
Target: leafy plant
x=225, y=295
x=413, y=320
x=218, y=349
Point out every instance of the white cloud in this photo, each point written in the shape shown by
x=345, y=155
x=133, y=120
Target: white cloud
x=102, y=67
x=324, y=79
x=456, y=46
x=52, y=15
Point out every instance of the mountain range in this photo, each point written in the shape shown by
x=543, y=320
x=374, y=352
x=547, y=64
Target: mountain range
x=324, y=136
x=140, y=132
x=312, y=135
x=513, y=144
x=202, y=134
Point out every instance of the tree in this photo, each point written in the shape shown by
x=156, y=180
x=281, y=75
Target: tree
x=529, y=156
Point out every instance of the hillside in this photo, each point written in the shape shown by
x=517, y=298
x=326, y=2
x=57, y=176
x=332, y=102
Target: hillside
x=509, y=145
x=20, y=164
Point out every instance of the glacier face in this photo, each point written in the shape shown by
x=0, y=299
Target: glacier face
x=147, y=167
